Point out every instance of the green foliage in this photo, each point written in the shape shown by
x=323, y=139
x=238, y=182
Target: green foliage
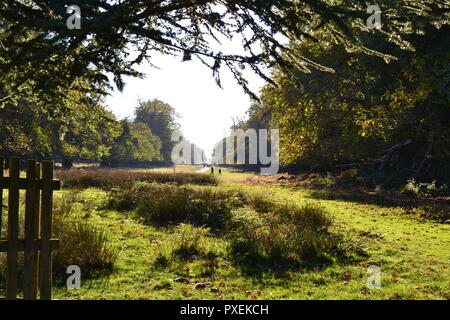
x=135, y=144
x=82, y=244
x=423, y=189
x=20, y=130
x=188, y=244
x=411, y=253
x=367, y=106
x=255, y=226
x=41, y=56
x=84, y=132
x=190, y=240
x=160, y=117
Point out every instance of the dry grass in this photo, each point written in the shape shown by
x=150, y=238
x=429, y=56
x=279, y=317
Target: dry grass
x=113, y=178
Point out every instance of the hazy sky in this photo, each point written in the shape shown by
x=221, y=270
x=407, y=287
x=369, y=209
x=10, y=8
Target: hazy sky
x=206, y=110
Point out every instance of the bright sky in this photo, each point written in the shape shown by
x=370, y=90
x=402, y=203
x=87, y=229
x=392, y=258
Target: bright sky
x=189, y=87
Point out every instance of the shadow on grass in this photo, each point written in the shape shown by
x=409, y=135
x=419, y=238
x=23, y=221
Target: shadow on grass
x=382, y=198
x=60, y=278
x=257, y=266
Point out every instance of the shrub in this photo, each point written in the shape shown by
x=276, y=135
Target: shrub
x=288, y=232
x=81, y=243
x=255, y=225
x=84, y=245
x=423, y=189
x=190, y=243
x=165, y=204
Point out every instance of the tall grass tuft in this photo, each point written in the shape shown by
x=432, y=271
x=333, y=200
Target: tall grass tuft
x=164, y=204
x=81, y=243
x=287, y=232
x=256, y=226
x=84, y=245
x=190, y=240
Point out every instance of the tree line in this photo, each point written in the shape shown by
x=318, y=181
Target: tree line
x=389, y=117
x=88, y=132
x=341, y=93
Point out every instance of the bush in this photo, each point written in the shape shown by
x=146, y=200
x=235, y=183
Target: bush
x=190, y=243
x=287, y=233
x=254, y=224
x=81, y=243
x=423, y=189
x=259, y=229
x=165, y=204
x=84, y=245
x=114, y=178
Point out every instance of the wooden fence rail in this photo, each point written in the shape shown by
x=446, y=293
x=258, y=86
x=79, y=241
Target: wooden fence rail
x=37, y=243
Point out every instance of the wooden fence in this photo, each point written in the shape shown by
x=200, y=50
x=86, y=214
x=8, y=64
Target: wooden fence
x=37, y=243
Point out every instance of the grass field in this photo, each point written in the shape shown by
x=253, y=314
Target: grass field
x=412, y=252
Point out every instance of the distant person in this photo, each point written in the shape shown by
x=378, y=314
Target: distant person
x=212, y=170
x=220, y=171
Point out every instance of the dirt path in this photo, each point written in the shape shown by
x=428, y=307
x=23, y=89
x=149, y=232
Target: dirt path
x=203, y=170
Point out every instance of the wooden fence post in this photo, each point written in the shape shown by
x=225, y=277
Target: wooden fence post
x=13, y=229
x=30, y=235
x=37, y=243
x=46, y=231
x=37, y=219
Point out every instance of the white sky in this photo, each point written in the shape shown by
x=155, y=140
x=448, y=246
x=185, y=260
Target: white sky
x=189, y=87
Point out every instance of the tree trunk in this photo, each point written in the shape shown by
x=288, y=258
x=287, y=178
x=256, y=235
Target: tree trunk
x=67, y=163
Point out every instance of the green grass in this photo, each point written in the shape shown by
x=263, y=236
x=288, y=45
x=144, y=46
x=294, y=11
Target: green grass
x=194, y=262
x=412, y=253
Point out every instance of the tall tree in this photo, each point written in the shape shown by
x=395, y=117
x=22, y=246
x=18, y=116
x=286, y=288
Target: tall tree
x=135, y=144
x=160, y=117
x=368, y=106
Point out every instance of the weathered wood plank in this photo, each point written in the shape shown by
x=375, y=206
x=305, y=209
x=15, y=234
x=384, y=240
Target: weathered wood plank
x=30, y=235
x=46, y=231
x=37, y=245
x=37, y=217
x=13, y=229
x=23, y=183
